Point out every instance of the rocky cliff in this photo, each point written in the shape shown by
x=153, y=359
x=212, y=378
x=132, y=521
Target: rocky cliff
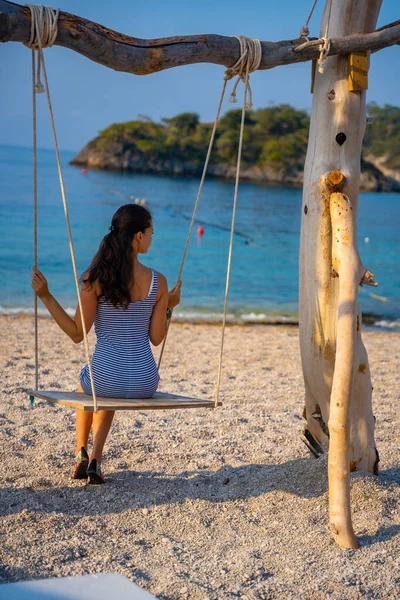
x=115, y=156
x=273, y=153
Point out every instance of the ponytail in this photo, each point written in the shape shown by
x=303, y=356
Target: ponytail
x=112, y=265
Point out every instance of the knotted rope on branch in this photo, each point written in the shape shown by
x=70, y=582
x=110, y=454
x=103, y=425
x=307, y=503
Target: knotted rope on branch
x=43, y=34
x=324, y=43
x=249, y=61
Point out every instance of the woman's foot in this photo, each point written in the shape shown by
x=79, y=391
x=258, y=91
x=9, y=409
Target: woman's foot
x=81, y=465
x=94, y=474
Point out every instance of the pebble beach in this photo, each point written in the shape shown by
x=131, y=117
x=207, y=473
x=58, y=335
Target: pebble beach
x=200, y=504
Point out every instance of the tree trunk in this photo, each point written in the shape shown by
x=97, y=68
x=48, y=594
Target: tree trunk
x=329, y=316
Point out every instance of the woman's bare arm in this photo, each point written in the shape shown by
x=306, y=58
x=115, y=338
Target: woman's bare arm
x=165, y=299
x=71, y=326
x=158, y=325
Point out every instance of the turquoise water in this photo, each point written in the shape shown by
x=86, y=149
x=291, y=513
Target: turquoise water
x=264, y=279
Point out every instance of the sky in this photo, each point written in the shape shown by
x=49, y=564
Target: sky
x=87, y=97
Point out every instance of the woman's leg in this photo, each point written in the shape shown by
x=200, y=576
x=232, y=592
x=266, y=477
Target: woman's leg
x=101, y=426
x=101, y=422
x=83, y=424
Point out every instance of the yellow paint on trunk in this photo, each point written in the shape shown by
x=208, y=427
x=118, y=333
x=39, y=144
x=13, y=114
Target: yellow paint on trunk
x=313, y=71
x=358, y=72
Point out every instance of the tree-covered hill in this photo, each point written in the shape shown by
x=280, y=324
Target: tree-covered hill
x=382, y=138
x=274, y=146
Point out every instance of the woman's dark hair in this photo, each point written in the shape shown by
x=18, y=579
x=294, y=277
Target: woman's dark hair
x=112, y=265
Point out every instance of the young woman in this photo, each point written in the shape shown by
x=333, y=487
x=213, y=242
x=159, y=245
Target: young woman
x=129, y=305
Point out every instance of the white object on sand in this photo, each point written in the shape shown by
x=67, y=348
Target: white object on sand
x=84, y=587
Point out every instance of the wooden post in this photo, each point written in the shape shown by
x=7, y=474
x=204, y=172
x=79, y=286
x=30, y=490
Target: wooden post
x=333, y=167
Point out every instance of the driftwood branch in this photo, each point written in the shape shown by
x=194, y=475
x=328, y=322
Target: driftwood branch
x=141, y=57
x=347, y=264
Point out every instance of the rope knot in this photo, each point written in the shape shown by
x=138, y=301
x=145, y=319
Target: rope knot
x=44, y=32
x=324, y=49
x=249, y=61
x=305, y=32
x=39, y=87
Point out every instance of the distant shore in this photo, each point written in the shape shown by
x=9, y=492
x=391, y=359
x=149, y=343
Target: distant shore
x=274, y=149
x=371, y=179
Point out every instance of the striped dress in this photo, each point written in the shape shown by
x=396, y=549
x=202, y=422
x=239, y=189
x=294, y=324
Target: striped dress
x=123, y=364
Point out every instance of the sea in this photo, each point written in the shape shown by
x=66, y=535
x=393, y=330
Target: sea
x=264, y=275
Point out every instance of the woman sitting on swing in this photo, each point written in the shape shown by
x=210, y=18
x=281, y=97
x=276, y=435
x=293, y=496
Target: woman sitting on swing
x=129, y=305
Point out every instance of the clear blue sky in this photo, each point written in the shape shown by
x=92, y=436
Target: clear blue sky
x=88, y=97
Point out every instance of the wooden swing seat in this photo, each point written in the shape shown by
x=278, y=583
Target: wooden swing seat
x=160, y=401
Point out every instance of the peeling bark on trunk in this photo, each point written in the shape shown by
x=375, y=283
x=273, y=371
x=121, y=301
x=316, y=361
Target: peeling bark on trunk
x=333, y=166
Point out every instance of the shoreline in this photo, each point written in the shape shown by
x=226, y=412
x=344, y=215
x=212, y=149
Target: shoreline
x=191, y=318
x=371, y=321
x=388, y=185
x=223, y=175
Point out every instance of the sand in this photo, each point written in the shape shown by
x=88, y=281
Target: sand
x=198, y=503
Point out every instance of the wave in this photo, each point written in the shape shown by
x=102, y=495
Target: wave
x=250, y=318
x=189, y=316
x=215, y=318
x=29, y=311
x=386, y=324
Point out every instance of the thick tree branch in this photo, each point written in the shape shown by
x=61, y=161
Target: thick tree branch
x=141, y=57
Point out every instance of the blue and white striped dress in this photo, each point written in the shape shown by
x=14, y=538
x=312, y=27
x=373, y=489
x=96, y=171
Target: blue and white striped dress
x=123, y=364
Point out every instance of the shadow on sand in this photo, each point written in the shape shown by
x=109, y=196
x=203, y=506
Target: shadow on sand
x=303, y=477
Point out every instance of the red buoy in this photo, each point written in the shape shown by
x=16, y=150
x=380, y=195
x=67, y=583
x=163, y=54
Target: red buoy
x=83, y=171
x=200, y=230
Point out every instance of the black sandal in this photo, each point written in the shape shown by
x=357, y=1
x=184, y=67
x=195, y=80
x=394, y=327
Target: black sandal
x=94, y=474
x=81, y=465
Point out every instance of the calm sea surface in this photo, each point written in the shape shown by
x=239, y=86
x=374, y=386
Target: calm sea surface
x=264, y=278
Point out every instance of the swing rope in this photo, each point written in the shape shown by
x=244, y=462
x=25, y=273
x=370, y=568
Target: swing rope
x=305, y=31
x=35, y=231
x=228, y=270
x=196, y=204
x=43, y=34
x=324, y=42
x=249, y=61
